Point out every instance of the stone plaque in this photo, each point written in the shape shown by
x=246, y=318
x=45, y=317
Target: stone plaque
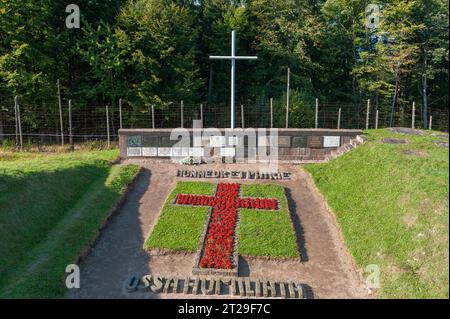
x=264, y=141
x=284, y=141
x=134, y=141
x=180, y=151
x=227, y=152
x=314, y=141
x=217, y=141
x=149, y=151
x=299, y=141
x=233, y=140
x=134, y=151
x=150, y=141
x=331, y=141
x=166, y=142
x=196, y=151
x=164, y=151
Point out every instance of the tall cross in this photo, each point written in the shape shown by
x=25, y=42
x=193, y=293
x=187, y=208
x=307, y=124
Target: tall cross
x=220, y=235
x=233, y=59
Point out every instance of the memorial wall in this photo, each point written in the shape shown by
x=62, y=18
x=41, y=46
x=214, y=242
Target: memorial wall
x=291, y=145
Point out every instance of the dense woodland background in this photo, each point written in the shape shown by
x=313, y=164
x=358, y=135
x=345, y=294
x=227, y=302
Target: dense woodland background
x=155, y=52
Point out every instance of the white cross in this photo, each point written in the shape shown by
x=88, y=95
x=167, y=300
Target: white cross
x=233, y=59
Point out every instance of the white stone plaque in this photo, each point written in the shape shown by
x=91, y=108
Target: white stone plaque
x=134, y=151
x=164, y=151
x=149, y=151
x=331, y=141
x=227, y=152
x=217, y=141
x=180, y=151
x=233, y=140
x=196, y=151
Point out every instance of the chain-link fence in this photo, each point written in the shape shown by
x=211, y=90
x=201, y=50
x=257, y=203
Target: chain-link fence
x=45, y=125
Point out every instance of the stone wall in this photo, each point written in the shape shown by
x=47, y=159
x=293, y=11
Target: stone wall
x=294, y=145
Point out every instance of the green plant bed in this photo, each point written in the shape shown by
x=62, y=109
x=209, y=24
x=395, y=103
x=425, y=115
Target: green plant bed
x=261, y=233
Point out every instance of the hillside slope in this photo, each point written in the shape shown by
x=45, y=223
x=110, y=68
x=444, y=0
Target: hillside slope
x=393, y=210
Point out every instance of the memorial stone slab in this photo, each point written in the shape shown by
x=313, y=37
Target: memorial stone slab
x=299, y=141
x=331, y=141
x=164, y=151
x=134, y=141
x=150, y=141
x=149, y=151
x=284, y=141
x=134, y=151
x=314, y=141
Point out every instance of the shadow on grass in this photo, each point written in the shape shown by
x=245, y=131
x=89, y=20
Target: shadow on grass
x=300, y=234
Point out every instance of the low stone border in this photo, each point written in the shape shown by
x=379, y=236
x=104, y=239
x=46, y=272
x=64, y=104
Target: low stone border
x=414, y=153
x=394, y=141
x=441, y=144
x=404, y=130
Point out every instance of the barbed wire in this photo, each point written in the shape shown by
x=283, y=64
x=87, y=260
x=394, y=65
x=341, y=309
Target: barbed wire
x=91, y=122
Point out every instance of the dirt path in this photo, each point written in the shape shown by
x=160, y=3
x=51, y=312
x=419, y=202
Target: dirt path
x=326, y=267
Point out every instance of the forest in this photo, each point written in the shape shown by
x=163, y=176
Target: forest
x=156, y=53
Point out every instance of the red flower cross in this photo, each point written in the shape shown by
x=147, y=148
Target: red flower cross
x=220, y=236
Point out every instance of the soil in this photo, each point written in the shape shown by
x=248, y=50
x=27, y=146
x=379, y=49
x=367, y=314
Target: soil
x=325, y=265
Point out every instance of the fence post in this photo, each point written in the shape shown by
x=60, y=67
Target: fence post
x=120, y=113
x=271, y=112
x=413, y=114
x=316, y=118
x=16, y=122
x=107, y=125
x=242, y=115
x=153, y=116
x=287, y=97
x=367, y=114
x=339, y=119
x=201, y=113
x=182, y=115
x=60, y=113
x=70, y=126
x=431, y=122
x=19, y=123
x=376, y=120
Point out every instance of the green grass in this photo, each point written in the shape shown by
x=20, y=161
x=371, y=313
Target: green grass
x=51, y=208
x=266, y=233
x=262, y=233
x=393, y=211
x=179, y=227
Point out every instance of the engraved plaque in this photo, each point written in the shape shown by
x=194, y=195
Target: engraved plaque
x=180, y=151
x=134, y=141
x=284, y=141
x=150, y=141
x=196, y=151
x=164, y=151
x=133, y=151
x=149, y=151
x=299, y=141
x=314, y=141
x=227, y=152
x=331, y=141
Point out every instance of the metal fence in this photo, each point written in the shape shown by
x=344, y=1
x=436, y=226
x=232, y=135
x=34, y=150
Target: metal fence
x=45, y=125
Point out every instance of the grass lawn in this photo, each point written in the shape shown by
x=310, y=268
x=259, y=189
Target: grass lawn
x=393, y=210
x=179, y=228
x=261, y=233
x=266, y=233
x=51, y=207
